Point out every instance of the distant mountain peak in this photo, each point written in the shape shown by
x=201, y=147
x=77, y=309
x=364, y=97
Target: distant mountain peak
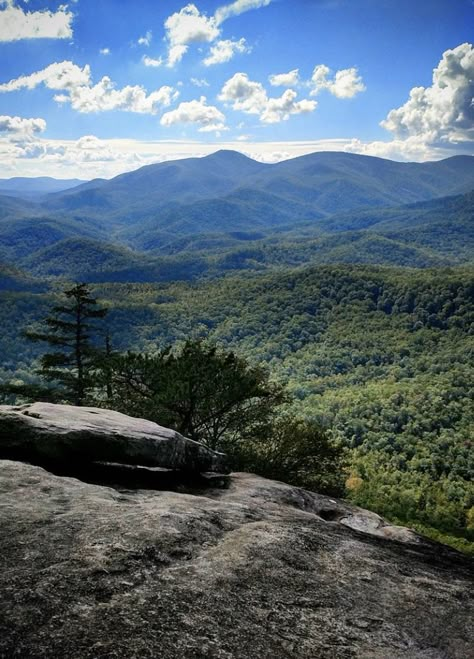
x=228, y=154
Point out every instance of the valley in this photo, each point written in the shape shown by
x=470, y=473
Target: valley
x=350, y=278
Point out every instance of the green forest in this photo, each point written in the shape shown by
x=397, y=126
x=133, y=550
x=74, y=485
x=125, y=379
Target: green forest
x=381, y=357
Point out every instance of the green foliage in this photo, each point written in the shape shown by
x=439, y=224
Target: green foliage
x=203, y=393
x=382, y=357
x=69, y=331
x=295, y=451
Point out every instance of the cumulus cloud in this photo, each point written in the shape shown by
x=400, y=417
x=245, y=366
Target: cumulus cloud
x=104, y=97
x=207, y=117
x=16, y=24
x=435, y=121
x=290, y=79
x=188, y=26
x=17, y=127
x=224, y=51
x=104, y=51
x=86, y=97
x=444, y=112
x=251, y=97
x=149, y=61
x=280, y=109
x=238, y=7
x=346, y=83
x=59, y=75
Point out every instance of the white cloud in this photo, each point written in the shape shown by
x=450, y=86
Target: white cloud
x=149, y=61
x=251, y=97
x=189, y=25
x=146, y=40
x=104, y=51
x=185, y=27
x=199, y=82
x=238, y=7
x=224, y=51
x=412, y=149
x=244, y=94
x=435, y=122
x=290, y=79
x=176, y=54
x=17, y=127
x=104, y=97
x=59, y=75
x=90, y=157
x=280, y=109
x=444, y=112
x=207, y=117
x=16, y=24
x=346, y=83
x=85, y=97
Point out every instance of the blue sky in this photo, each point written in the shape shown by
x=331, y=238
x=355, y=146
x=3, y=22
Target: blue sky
x=96, y=88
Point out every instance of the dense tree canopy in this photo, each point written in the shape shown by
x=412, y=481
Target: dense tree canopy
x=381, y=357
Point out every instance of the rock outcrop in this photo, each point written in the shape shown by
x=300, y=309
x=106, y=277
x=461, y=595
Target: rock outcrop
x=258, y=570
x=43, y=432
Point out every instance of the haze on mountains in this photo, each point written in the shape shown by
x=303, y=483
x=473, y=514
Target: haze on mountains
x=206, y=216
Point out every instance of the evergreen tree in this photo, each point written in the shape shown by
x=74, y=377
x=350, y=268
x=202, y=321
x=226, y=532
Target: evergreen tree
x=70, y=330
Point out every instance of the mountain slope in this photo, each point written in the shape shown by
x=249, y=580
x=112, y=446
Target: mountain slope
x=326, y=183
x=136, y=194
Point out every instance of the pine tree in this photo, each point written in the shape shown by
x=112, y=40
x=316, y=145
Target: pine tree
x=71, y=330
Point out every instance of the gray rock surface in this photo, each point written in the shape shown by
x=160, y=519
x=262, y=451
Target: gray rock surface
x=260, y=570
x=43, y=431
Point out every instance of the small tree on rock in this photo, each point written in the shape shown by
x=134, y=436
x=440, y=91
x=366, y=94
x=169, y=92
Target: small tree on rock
x=203, y=393
x=70, y=329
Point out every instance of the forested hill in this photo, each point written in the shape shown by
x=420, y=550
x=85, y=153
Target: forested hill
x=323, y=183
x=437, y=232
x=227, y=191
x=383, y=357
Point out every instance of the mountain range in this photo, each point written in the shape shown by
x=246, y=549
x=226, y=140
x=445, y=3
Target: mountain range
x=206, y=216
x=35, y=188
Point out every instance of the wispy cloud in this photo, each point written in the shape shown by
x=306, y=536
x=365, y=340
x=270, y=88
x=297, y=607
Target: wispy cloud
x=146, y=39
x=150, y=61
x=238, y=7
